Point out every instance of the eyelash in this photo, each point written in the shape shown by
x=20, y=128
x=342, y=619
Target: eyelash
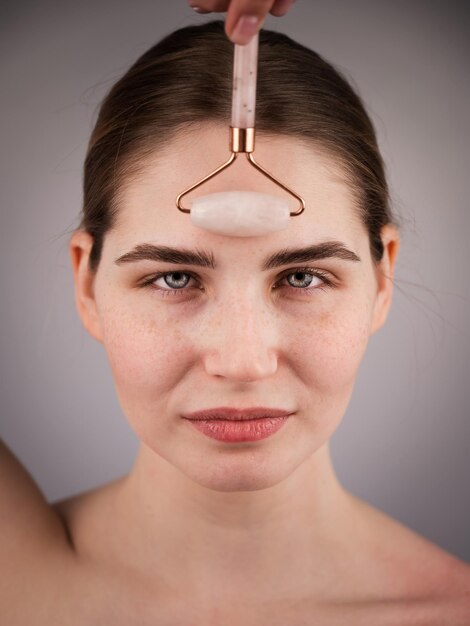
x=327, y=282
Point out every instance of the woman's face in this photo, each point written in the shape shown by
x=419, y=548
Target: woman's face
x=236, y=335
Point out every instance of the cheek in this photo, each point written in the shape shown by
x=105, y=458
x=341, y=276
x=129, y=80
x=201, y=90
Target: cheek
x=326, y=359
x=147, y=357
x=331, y=348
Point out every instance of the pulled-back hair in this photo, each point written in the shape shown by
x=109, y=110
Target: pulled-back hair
x=186, y=79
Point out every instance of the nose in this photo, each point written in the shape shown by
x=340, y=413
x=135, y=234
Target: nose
x=242, y=342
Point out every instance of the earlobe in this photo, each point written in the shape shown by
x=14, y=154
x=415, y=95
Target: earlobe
x=80, y=246
x=385, y=271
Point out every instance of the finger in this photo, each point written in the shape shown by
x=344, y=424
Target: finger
x=209, y=6
x=245, y=18
x=281, y=7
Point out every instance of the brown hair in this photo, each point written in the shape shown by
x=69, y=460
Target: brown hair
x=186, y=78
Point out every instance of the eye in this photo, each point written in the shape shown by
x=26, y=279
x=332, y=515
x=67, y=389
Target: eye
x=306, y=280
x=302, y=280
x=171, y=282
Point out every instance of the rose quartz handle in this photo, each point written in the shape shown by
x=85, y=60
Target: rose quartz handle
x=244, y=84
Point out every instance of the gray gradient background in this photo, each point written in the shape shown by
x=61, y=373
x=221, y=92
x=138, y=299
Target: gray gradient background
x=404, y=442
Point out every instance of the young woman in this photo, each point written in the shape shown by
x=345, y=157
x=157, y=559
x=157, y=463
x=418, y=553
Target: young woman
x=234, y=360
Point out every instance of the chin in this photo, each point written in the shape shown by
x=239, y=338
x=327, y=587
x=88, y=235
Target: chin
x=238, y=474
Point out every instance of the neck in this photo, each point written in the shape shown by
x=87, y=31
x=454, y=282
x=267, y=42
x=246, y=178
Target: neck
x=282, y=537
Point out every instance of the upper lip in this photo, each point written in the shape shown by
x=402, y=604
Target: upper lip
x=228, y=413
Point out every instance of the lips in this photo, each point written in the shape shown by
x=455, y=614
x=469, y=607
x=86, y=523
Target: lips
x=228, y=413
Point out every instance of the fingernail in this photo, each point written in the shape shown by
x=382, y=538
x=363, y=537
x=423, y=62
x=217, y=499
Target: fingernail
x=245, y=29
x=199, y=10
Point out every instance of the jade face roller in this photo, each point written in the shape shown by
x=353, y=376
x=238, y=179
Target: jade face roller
x=241, y=213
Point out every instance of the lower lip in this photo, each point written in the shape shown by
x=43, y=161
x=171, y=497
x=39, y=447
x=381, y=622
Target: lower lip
x=236, y=431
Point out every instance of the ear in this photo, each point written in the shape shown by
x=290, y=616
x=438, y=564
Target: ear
x=80, y=246
x=385, y=270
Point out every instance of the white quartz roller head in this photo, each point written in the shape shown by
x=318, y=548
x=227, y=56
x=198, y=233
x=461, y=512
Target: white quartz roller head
x=240, y=213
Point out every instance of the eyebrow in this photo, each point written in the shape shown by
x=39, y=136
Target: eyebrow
x=182, y=256
x=324, y=250
x=201, y=258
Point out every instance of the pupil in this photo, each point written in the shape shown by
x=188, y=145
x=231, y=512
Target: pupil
x=176, y=277
x=301, y=277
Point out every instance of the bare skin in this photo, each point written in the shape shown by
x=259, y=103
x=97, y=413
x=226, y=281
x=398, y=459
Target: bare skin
x=401, y=579
x=204, y=532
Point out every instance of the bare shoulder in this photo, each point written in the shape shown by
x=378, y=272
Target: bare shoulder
x=27, y=521
x=43, y=574
x=33, y=540
x=413, y=572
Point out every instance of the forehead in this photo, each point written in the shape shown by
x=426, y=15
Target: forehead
x=146, y=208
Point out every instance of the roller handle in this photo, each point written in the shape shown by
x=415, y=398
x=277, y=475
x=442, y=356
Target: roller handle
x=245, y=66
